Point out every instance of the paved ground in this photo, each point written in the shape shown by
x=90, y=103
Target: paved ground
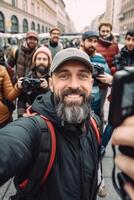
x=108, y=165
x=107, y=170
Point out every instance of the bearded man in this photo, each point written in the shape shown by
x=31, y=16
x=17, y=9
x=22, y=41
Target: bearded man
x=101, y=71
x=101, y=81
x=54, y=43
x=74, y=172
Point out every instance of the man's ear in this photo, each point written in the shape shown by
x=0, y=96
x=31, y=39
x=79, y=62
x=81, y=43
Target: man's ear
x=50, y=84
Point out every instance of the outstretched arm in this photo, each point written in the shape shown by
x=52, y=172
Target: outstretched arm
x=18, y=143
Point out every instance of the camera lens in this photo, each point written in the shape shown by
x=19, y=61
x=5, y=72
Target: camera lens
x=26, y=84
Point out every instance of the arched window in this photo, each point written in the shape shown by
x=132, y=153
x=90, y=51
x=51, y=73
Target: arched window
x=43, y=29
x=38, y=28
x=25, y=26
x=2, y=22
x=46, y=29
x=14, y=24
x=33, y=26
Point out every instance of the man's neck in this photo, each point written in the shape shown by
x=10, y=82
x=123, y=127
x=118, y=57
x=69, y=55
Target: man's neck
x=53, y=44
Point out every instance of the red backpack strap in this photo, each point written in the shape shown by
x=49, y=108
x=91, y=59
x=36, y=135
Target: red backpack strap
x=95, y=128
x=53, y=148
x=53, y=151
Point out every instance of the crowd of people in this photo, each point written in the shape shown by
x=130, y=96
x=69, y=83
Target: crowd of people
x=68, y=87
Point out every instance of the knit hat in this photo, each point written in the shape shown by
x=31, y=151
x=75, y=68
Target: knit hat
x=32, y=34
x=44, y=50
x=67, y=55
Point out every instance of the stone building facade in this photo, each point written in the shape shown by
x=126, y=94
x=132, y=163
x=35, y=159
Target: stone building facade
x=19, y=16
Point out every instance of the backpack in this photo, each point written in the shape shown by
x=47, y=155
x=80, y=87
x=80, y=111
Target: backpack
x=34, y=179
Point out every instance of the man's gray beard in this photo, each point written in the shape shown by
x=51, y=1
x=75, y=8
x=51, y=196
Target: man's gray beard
x=74, y=114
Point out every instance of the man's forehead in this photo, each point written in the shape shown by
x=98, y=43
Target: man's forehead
x=105, y=27
x=70, y=65
x=130, y=37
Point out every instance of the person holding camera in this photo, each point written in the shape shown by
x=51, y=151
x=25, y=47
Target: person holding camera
x=101, y=81
x=36, y=82
x=123, y=135
x=101, y=71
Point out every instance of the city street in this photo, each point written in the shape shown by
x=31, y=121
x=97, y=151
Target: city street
x=62, y=45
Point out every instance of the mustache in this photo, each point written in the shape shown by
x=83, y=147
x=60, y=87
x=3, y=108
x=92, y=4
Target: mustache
x=92, y=48
x=60, y=99
x=72, y=91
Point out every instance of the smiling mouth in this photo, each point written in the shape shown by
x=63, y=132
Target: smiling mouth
x=73, y=98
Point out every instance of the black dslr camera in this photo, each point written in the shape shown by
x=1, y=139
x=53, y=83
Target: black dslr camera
x=98, y=69
x=30, y=84
x=122, y=106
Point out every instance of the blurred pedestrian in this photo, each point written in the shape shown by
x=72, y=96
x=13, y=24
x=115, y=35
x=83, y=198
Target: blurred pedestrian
x=24, y=59
x=26, y=51
x=54, y=44
x=107, y=45
x=126, y=55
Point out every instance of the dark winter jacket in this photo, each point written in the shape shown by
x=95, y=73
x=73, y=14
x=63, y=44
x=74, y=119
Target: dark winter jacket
x=74, y=172
x=24, y=60
x=124, y=58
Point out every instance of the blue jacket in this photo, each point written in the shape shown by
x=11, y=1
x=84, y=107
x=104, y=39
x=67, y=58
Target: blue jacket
x=98, y=59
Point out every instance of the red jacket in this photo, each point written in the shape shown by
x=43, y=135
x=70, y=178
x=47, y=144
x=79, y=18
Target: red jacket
x=108, y=49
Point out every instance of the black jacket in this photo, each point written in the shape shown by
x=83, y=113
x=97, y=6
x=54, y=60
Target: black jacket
x=124, y=58
x=74, y=172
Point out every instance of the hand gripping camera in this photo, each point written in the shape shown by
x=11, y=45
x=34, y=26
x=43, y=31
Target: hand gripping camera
x=29, y=84
x=122, y=106
x=98, y=69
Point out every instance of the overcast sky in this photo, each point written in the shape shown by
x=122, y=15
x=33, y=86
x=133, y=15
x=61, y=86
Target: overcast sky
x=82, y=12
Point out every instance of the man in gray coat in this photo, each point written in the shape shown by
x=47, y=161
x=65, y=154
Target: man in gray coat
x=54, y=44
